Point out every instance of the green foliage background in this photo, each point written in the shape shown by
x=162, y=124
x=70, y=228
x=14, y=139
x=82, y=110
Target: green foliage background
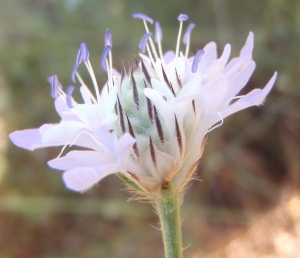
x=247, y=163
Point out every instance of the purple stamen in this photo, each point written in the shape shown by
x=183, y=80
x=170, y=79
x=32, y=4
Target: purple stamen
x=108, y=38
x=198, y=55
x=83, y=54
x=104, y=56
x=158, y=32
x=143, y=42
x=69, y=92
x=74, y=70
x=187, y=33
x=182, y=17
x=55, y=85
x=143, y=17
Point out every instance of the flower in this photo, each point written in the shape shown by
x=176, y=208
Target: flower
x=150, y=122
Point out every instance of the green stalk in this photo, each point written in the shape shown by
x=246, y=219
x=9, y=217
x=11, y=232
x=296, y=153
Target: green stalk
x=168, y=209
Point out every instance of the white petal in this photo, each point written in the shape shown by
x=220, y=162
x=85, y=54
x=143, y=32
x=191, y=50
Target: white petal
x=239, y=79
x=81, y=179
x=156, y=98
x=245, y=55
x=246, y=52
x=61, y=131
x=210, y=55
x=164, y=163
x=123, y=144
x=169, y=57
x=76, y=159
x=110, y=118
x=265, y=91
x=214, y=94
x=106, y=136
x=162, y=89
x=217, y=67
x=253, y=98
x=88, y=110
x=30, y=139
x=63, y=110
x=86, y=95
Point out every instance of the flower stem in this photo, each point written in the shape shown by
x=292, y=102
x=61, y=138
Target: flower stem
x=168, y=209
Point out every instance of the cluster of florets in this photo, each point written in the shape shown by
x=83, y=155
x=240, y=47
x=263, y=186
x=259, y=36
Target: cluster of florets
x=150, y=122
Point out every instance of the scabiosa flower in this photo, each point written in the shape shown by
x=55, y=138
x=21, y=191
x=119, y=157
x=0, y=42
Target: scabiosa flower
x=150, y=121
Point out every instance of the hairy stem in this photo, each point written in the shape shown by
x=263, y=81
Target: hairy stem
x=168, y=209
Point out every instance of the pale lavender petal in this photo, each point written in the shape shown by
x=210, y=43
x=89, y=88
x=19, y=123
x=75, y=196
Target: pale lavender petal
x=214, y=95
x=106, y=136
x=86, y=140
x=86, y=95
x=31, y=139
x=240, y=78
x=81, y=179
x=253, y=98
x=246, y=51
x=245, y=55
x=83, y=139
x=123, y=144
x=169, y=56
x=217, y=67
x=265, y=91
x=63, y=131
x=76, y=159
x=210, y=54
x=63, y=110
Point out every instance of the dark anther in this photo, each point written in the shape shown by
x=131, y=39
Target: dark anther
x=178, y=135
x=152, y=151
x=149, y=106
x=121, y=116
x=178, y=79
x=135, y=91
x=135, y=149
x=158, y=126
x=146, y=72
x=167, y=80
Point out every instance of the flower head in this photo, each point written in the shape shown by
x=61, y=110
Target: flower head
x=151, y=120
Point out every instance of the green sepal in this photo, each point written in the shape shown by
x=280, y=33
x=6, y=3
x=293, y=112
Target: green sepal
x=130, y=182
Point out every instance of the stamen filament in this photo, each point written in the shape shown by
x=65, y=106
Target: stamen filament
x=178, y=40
x=83, y=84
x=187, y=38
x=92, y=74
x=187, y=49
x=149, y=53
x=218, y=125
x=158, y=38
x=110, y=67
x=99, y=143
x=181, y=18
x=151, y=41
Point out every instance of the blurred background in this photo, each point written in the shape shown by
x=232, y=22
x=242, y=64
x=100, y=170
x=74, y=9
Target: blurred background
x=247, y=203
